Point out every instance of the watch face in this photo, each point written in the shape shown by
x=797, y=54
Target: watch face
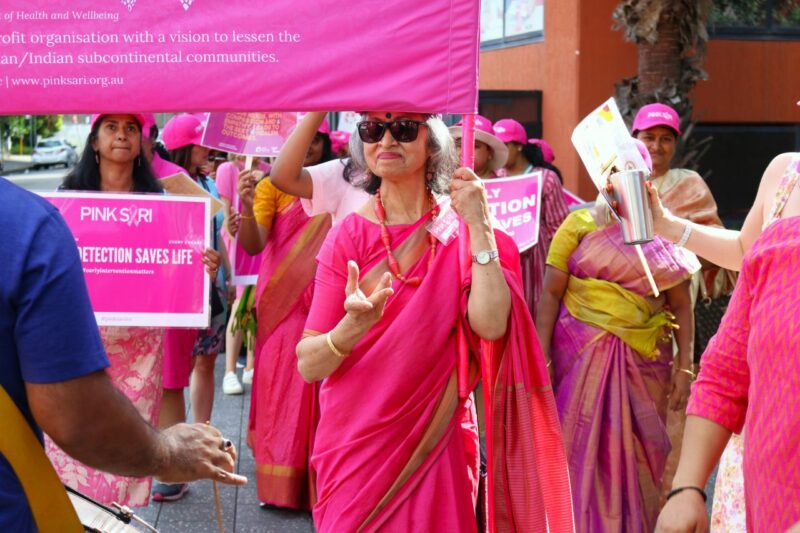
x=483, y=257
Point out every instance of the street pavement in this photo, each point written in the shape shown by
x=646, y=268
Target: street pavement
x=43, y=180
x=240, y=507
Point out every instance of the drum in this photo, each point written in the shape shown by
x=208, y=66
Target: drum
x=98, y=518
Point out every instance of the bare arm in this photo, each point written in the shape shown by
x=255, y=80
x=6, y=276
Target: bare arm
x=489, y=301
x=252, y=235
x=553, y=288
x=288, y=173
x=721, y=246
x=315, y=359
x=703, y=443
x=680, y=303
x=93, y=422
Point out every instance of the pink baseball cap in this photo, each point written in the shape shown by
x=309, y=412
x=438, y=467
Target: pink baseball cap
x=325, y=127
x=652, y=115
x=339, y=139
x=182, y=130
x=484, y=132
x=547, y=151
x=140, y=118
x=509, y=130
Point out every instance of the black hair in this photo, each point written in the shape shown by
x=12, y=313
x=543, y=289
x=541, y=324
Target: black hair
x=327, y=150
x=158, y=148
x=86, y=174
x=533, y=153
x=183, y=158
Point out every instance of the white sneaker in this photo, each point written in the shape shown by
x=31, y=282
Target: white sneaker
x=231, y=385
x=247, y=376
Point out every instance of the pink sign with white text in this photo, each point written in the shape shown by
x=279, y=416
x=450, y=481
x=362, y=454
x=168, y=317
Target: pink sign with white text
x=142, y=256
x=516, y=203
x=254, y=134
x=90, y=56
x=245, y=266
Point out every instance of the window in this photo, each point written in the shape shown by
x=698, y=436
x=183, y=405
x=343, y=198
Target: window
x=736, y=159
x=759, y=19
x=511, y=22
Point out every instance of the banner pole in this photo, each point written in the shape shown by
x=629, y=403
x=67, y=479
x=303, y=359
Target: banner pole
x=465, y=259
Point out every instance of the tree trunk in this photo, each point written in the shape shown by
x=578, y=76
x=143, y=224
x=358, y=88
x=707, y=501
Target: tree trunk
x=660, y=62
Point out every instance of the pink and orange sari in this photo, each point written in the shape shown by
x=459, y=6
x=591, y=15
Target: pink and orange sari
x=283, y=406
x=612, y=356
x=396, y=448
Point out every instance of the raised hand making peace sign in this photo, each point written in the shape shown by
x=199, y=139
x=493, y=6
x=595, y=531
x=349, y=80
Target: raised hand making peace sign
x=365, y=311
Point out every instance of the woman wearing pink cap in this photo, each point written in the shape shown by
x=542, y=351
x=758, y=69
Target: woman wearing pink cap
x=490, y=152
x=113, y=162
x=610, y=341
x=191, y=352
x=283, y=407
x=526, y=156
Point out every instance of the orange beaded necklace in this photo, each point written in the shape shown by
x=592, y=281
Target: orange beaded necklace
x=394, y=266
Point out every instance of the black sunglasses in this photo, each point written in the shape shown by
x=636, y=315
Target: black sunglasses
x=404, y=130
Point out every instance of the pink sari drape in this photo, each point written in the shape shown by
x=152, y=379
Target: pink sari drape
x=283, y=406
x=395, y=448
x=612, y=400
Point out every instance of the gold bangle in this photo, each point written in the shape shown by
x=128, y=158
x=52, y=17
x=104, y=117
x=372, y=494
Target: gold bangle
x=247, y=217
x=549, y=364
x=687, y=371
x=333, y=347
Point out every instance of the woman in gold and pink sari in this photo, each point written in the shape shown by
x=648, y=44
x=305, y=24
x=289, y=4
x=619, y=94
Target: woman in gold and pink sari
x=395, y=315
x=283, y=407
x=610, y=342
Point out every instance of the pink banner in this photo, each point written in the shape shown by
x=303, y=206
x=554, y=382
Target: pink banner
x=255, y=134
x=516, y=203
x=141, y=256
x=85, y=56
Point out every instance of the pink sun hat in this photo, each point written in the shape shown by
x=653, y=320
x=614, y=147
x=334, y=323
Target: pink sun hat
x=652, y=115
x=182, y=130
x=509, y=130
x=484, y=133
x=547, y=151
x=339, y=139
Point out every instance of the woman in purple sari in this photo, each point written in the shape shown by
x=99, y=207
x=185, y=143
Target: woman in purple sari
x=610, y=343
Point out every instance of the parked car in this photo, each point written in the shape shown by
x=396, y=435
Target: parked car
x=54, y=151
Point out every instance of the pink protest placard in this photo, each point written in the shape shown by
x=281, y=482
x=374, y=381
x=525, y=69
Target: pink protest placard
x=516, y=203
x=245, y=266
x=572, y=199
x=85, y=56
x=255, y=134
x=141, y=256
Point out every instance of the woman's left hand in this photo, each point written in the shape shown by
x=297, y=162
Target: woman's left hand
x=468, y=197
x=681, y=385
x=212, y=260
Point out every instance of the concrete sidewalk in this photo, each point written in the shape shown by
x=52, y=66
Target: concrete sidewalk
x=240, y=506
x=16, y=163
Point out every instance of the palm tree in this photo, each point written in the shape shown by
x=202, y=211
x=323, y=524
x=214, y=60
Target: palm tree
x=671, y=37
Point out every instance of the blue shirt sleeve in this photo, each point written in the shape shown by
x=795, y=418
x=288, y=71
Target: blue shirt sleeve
x=55, y=331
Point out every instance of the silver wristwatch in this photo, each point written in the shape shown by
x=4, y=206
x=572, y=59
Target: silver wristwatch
x=484, y=257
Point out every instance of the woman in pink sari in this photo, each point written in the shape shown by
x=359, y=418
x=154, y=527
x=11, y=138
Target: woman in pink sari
x=395, y=314
x=610, y=342
x=283, y=407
